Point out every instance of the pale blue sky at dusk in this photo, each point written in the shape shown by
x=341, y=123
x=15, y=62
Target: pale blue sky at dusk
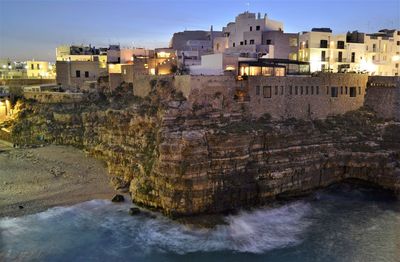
x=33, y=29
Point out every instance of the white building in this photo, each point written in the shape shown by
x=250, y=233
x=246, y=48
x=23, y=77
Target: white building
x=383, y=52
x=247, y=31
x=375, y=54
x=324, y=50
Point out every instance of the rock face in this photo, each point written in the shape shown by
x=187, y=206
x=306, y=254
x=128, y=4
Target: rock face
x=185, y=159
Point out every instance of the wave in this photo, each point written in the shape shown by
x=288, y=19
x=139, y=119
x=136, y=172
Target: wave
x=100, y=229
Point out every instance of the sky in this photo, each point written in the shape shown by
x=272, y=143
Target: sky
x=32, y=29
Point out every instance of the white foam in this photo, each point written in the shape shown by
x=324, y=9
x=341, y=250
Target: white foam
x=100, y=224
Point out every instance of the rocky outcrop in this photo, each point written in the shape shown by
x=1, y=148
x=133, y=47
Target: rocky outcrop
x=185, y=159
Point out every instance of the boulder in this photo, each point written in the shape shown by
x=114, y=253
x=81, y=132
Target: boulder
x=118, y=198
x=133, y=211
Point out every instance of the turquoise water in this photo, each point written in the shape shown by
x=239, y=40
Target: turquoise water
x=342, y=223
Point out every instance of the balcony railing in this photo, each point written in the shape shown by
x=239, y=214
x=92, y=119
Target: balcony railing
x=343, y=60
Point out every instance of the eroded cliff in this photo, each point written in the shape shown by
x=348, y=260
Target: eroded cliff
x=186, y=159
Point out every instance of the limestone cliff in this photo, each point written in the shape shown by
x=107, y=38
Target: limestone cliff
x=187, y=159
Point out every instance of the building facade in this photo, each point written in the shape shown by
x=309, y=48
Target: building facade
x=374, y=54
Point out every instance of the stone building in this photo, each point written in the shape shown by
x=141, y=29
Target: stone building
x=302, y=97
x=40, y=69
x=312, y=97
x=74, y=74
x=247, y=30
x=191, y=45
x=248, y=39
x=383, y=96
x=5, y=105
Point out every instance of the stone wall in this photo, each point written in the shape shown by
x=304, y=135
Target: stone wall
x=25, y=82
x=305, y=97
x=302, y=97
x=54, y=97
x=383, y=96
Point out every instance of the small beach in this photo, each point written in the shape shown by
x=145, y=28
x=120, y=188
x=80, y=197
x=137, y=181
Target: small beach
x=35, y=179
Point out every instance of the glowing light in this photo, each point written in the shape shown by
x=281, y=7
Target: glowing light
x=396, y=58
x=367, y=66
x=230, y=68
x=315, y=64
x=4, y=66
x=152, y=71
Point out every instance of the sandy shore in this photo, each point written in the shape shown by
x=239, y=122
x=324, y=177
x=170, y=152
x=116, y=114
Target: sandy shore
x=33, y=180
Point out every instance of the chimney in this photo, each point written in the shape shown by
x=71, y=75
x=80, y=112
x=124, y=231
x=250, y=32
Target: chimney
x=258, y=15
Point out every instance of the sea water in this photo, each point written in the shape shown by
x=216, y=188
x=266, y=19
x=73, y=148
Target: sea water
x=341, y=223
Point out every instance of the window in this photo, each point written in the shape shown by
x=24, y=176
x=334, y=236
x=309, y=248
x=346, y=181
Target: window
x=323, y=44
x=276, y=90
x=346, y=90
x=373, y=58
x=233, y=45
x=398, y=42
x=397, y=65
x=251, y=42
x=258, y=28
x=327, y=90
x=32, y=66
x=353, y=92
x=340, y=44
x=301, y=90
x=251, y=28
x=241, y=43
x=86, y=74
x=340, y=56
x=290, y=90
x=312, y=90
x=268, y=41
x=317, y=91
x=334, y=91
x=373, y=47
x=78, y=73
x=296, y=90
x=38, y=66
x=359, y=90
x=257, y=90
x=353, y=57
x=267, y=91
x=306, y=90
x=281, y=90
x=293, y=41
x=341, y=90
x=323, y=53
x=245, y=42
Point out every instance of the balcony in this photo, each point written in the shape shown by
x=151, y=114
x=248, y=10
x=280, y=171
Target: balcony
x=324, y=59
x=343, y=60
